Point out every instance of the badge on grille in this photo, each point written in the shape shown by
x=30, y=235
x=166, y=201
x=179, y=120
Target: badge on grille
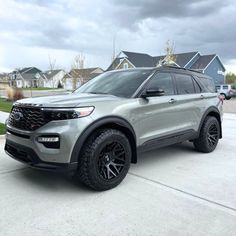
x=17, y=116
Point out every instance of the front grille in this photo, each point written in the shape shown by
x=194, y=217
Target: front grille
x=26, y=118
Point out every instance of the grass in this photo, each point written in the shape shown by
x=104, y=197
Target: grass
x=2, y=129
x=5, y=105
x=39, y=89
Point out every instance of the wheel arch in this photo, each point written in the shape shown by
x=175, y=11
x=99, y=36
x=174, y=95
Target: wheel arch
x=112, y=122
x=212, y=111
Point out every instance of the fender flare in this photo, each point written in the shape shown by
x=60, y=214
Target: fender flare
x=211, y=110
x=111, y=122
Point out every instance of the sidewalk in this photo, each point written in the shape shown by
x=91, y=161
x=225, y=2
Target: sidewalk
x=3, y=116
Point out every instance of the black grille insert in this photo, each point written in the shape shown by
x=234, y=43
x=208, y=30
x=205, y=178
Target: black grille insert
x=26, y=118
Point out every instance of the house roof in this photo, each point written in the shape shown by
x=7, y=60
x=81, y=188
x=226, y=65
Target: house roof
x=28, y=76
x=181, y=58
x=85, y=73
x=51, y=73
x=202, y=62
x=145, y=60
x=29, y=70
x=140, y=59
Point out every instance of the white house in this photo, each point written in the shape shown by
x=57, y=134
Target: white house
x=52, y=78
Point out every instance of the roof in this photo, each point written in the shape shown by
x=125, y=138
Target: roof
x=85, y=73
x=140, y=59
x=145, y=60
x=29, y=70
x=50, y=73
x=202, y=62
x=28, y=76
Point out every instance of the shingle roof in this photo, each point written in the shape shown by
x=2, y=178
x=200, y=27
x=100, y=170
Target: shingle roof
x=50, y=73
x=29, y=70
x=181, y=58
x=202, y=62
x=145, y=60
x=86, y=73
x=140, y=59
x=28, y=76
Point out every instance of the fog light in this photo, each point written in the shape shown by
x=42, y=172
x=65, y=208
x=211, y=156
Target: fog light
x=48, y=139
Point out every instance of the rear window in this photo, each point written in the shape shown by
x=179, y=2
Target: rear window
x=208, y=84
x=225, y=86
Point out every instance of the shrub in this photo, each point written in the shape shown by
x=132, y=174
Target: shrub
x=18, y=94
x=14, y=94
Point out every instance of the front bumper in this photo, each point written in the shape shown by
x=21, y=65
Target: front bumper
x=28, y=156
x=25, y=147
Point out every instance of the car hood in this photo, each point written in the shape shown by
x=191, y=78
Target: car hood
x=68, y=100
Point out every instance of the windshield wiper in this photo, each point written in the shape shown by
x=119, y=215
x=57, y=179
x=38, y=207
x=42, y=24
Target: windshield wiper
x=98, y=93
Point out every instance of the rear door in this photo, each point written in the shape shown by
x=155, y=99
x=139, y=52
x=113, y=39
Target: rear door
x=191, y=101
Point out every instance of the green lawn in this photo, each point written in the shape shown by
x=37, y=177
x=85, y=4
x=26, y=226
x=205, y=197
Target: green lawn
x=2, y=129
x=39, y=89
x=5, y=105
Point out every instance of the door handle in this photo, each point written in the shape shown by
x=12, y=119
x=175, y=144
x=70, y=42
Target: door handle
x=171, y=101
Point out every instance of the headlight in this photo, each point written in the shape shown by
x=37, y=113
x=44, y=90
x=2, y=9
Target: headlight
x=66, y=113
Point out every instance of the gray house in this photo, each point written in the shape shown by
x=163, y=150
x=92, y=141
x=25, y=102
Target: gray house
x=208, y=64
x=25, y=78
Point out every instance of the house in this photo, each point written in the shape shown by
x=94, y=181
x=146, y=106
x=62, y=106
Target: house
x=25, y=78
x=208, y=64
x=4, y=80
x=51, y=78
x=77, y=77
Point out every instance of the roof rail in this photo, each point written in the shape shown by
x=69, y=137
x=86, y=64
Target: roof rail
x=182, y=68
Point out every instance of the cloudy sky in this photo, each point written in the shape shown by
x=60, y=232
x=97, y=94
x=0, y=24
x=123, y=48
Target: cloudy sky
x=34, y=30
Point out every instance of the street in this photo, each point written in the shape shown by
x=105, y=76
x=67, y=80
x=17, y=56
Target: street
x=171, y=191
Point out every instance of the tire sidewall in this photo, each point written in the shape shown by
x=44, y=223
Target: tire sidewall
x=211, y=121
x=101, y=142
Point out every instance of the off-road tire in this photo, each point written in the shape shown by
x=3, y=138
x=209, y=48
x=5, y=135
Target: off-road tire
x=88, y=164
x=209, y=135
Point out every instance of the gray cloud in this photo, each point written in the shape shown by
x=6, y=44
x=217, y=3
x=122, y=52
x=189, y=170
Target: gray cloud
x=66, y=27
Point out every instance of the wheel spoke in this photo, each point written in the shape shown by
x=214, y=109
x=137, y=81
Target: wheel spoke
x=111, y=160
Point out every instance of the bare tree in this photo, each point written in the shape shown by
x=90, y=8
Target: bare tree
x=52, y=62
x=170, y=57
x=77, y=64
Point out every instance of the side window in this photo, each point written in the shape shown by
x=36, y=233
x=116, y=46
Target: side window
x=162, y=81
x=208, y=83
x=184, y=84
x=196, y=86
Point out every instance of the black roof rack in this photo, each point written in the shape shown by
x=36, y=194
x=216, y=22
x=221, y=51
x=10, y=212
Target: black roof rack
x=182, y=68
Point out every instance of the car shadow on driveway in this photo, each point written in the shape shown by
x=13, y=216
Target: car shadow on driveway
x=59, y=182
x=51, y=181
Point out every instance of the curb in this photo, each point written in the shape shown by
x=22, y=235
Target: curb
x=2, y=136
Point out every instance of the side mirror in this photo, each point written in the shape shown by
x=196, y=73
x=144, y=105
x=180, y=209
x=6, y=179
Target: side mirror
x=154, y=92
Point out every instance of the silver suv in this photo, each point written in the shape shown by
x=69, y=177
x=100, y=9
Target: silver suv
x=226, y=90
x=102, y=127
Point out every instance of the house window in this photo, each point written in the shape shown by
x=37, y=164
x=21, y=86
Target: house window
x=125, y=65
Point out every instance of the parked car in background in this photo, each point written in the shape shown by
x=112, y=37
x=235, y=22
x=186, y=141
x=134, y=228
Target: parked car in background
x=226, y=90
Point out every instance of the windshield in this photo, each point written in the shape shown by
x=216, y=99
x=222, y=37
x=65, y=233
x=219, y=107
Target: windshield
x=118, y=83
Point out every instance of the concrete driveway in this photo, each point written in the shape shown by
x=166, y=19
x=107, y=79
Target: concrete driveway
x=171, y=191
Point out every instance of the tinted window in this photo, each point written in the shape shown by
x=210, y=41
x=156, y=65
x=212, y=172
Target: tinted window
x=119, y=83
x=184, y=84
x=196, y=86
x=162, y=81
x=225, y=87
x=208, y=83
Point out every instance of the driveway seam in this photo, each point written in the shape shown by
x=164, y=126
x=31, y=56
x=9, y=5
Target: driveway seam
x=184, y=192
